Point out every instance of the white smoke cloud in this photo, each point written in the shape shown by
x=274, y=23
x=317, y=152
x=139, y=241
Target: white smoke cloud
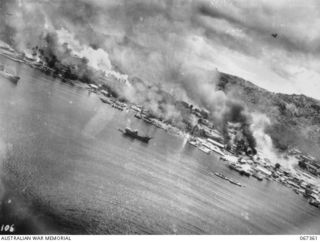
x=177, y=44
x=264, y=142
x=98, y=59
x=134, y=33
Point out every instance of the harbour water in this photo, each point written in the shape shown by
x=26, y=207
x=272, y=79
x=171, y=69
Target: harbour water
x=65, y=168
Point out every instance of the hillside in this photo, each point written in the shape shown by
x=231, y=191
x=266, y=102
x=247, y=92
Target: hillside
x=295, y=118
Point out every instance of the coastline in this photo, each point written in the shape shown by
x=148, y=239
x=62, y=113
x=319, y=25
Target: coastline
x=174, y=130
x=199, y=142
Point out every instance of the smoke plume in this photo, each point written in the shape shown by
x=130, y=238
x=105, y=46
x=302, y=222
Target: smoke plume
x=236, y=113
x=264, y=142
x=149, y=52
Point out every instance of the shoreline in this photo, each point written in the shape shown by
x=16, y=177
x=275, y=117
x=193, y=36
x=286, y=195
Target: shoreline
x=280, y=176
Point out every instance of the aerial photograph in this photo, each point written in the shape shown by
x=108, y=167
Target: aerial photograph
x=159, y=117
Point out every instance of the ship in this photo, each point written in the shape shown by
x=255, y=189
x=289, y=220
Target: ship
x=147, y=120
x=138, y=115
x=239, y=168
x=258, y=176
x=314, y=202
x=105, y=100
x=204, y=149
x=14, y=79
x=227, y=179
x=193, y=142
x=234, y=182
x=134, y=134
x=117, y=106
x=217, y=150
x=221, y=176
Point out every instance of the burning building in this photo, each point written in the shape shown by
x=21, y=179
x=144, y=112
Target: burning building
x=309, y=165
x=237, y=141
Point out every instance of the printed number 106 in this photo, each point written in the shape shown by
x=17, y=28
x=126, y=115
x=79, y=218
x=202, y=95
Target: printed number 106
x=7, y=228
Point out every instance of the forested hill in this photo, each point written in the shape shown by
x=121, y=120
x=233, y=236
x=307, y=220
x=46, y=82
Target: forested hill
x=295, y=118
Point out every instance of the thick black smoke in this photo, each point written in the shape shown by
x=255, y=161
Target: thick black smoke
x=236, y=113
x=59, y=58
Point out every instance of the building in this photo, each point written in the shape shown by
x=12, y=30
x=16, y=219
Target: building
x=263, y=170
x=216, y=143
x=313, y=168
x=310, y=165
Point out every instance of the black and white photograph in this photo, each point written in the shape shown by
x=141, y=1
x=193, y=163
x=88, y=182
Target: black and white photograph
x=159, y=117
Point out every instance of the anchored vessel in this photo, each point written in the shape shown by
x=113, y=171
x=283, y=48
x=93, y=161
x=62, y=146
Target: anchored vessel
x=221, y=176
x=234, y=182
x=134, y=134
x=227, y=179
x=9, y=76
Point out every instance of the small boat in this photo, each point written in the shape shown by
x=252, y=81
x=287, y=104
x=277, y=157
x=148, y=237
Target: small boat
x=238, y=168
x=147, y=120
x=296, y=191
x=227, y=179
x=135, y=108
x=314, y=202
x=258, y=176
x=138, y=116
x=217, y=150
x=105, y=100
x=221, y=176
x=105, y=93
x=158, y=124
x=193, y=142
x=14, y=79
x=234, y=182
x=114, y=105
x=204, y=149
x=93, y=86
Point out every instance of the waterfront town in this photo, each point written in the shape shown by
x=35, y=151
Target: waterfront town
x=302, y=177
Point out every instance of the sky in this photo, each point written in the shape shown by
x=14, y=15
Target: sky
x=288, y=63
x=160, y=41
